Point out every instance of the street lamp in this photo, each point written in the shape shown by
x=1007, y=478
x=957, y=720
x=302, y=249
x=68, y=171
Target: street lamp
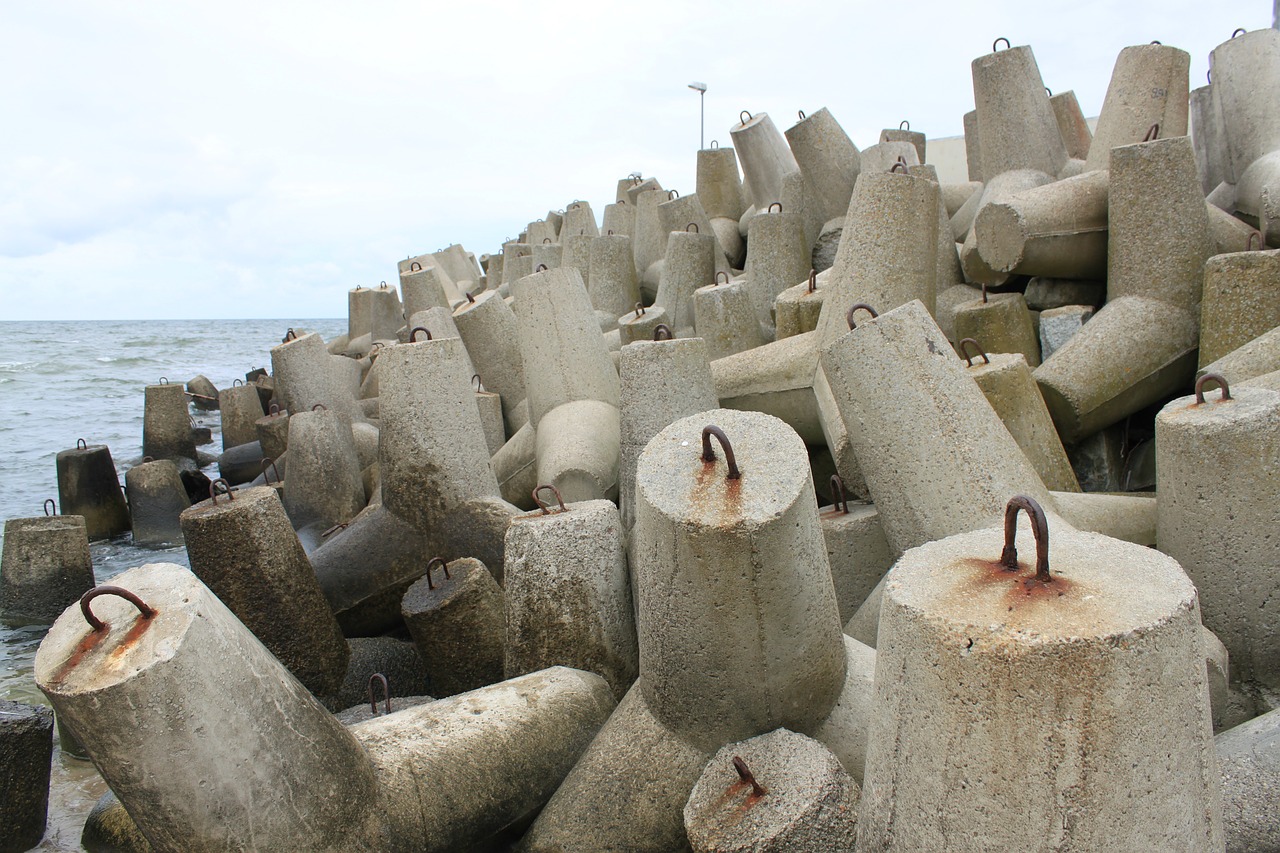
x=701, y=89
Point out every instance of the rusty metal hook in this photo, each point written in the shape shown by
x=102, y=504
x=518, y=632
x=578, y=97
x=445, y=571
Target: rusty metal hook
x=413, y=334
x=968, y=359
x=415, y=266
x=290, y=335
x=1253, y=235
x=662, y=332
x=320, y=406
x=672, y=195
x=236, y=383
x=744, y=120
x=471, y=300
x=81, y=444
x=342, y=525
x=546, y=240
x=97, y=624
x=745, y=774
x=709, y=455
x=1039, y=529
x=437, y=561
x=540, y=268
x=1153, y=133
x=849, y=316
x=802, y=115
x=899, y=166
x=268, y=462
x=475, y=380
x=693, y=227
x=164, y=380
x=721, y=273
x=639, y=309
x=273, y=409
x=813, y=280
x=226, y=490
x=1239, y=32
x=386, y=692
x=904, y=125
x=838, y=499
x=48, y=503
x=715, y=143
x=984, y=293
x=542, y=504
x=1007, y=45
x=1212, y=377
x=776, y=204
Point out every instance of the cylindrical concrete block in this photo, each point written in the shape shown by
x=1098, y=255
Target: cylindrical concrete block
x=576, y=255
x=558, y=332
x=456, y=616
x=725, y=316
x=578, y=219
x=690, y=264
x=515, y=466
x=614, y=287
x=44, y=568
x=857, y=550
x=1148, y=87
x=439, y=322
x=648, y=241
x=568, y=595
x=778, y=257
x=88, y=487
x=195, y=725
x=488, y=329
x=240, y=407
x=619, y=220
x=373, y=311
x=26, y=747
x=738, y=625
x=427, y=287
x=156, y=499
x=166, y=423
x=765, y=157
x=774, y=793
x=1014, y=119
x=1074, y=129
x=1002, y=323
x=719, y=186
x=549, y=255
x=828, y=159
x=895, y=378
x=796, y=310
x=577, y=449
x=517, y=261
x=273, y=434
x=243, y=548
x=1011, y=390
x=888, y=254
x=1016, y=713
x=1215, y=463
x=1003, y=186
x=1241, y=301
x=972, y=149
x=640, y=324
x=306, y=374
x=324, y=485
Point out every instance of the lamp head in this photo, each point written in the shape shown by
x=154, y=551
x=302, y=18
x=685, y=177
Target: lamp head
x=698, y=87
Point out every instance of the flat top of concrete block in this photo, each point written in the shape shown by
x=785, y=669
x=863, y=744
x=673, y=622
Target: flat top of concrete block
x=770, y=458
x=1247, y=404
x=425, y=595
x=227, y=502
x=573, y=514
x=16, y=717
x=1101, y=586
x=995, y=362
x=44, y=522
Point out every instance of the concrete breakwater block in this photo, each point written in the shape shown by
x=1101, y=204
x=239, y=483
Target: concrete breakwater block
x=88, y=487
x=45, y=566
x=26, y=748
x=457, y=622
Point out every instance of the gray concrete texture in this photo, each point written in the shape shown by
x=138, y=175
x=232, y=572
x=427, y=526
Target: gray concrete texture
x=1058, y=325
x=801, y=799
x=45, y=566
x=719, y=186
x=1252, y=126
x=1249, y=759
x=690, y=264
x=1000, y=323
x=306, y=374
x=26, y=749
x=244, y=550
x=1215, y=464
x=488, y=330
x=134, y=693
x=764, y=155
x=568, y=594
x=1072, y=126
x=88, y=487
x=778, y=257
x=1015, y=122
x=457, y=622
x=240, y=408
x=726, y=318
x=166, y=423
x=827, y=158
x=156, y=499
x=738, y=624
x=936, y=457
x=1114, y=753
x=1149, y=86
x=323, y=484
x=1241, y=300
x=614, y=287
x=857, y=551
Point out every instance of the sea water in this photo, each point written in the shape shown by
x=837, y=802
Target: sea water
x=63, y=381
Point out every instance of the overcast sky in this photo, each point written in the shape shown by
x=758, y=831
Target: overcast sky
x=257, y=159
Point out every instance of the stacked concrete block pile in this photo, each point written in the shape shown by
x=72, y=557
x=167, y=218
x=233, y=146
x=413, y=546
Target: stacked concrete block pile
x=764, y=517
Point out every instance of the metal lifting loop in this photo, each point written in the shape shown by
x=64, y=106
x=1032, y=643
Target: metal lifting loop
x=415, y=266
x=672, y=195
x=802, y=115
x=546, y=240
x=1156, y=41
x=50, y=502
x=81, y=444
x=1039, y=529
x=236, y=383
x=748, y=778
x=693, y=227
x=1153, y=132
x=662, y=332
x=268, y=462
x=475, y=381
x=413, y=334
x=984, y=293
x=838, y=498
x=813, y=280
x=97, y=624
x=1048, y=91
x=542, y=505
x=904, y=125
x=226, y=490
x=1254, y=237
x=715, y=143
x=1239, y=32
x=744, y=113
x=471, y=300
x=717, y=282
x=898, y=167
x=540, y=268
x=386, y=692
x=709, y=455
x=639, y=309
x=968, y=359
x=437, y=561
x=1007, y=45
x=290, y=335
x=321, y=406
x=1212, y=377
x=849, y=316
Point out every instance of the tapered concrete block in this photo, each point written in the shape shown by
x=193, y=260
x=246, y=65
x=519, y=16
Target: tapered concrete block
x=614, y=287
x=427, y=287
x=1148, y=87
x=690, y=264
x=306, y=374
x=726, y=318
x=777, y=257
x=765, y=157
x=240, y=408
x=1072, y=126
x=455, y=615
x=827, y=158
x=244, y=550
x=619, y=220
x=719, y=185
x=1002, y=323
x=373, y=311
x=1249, y=757
x=273, y=434
x=1015, y=122
x=488, y=329
x=324, y=485
x=857, y=551
x=166, y=423
x=1241, y=301
x=26, y=747
x=1115, y=753
x=156, y=499
x=515, y=466
x=796, y=309
x=88, y=487
x=640, y=324
x=188, y=658
x=568, y=595
x=1214, y=460
x=44, y=568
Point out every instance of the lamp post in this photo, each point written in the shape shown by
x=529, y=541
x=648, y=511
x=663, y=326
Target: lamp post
x=701, y=89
